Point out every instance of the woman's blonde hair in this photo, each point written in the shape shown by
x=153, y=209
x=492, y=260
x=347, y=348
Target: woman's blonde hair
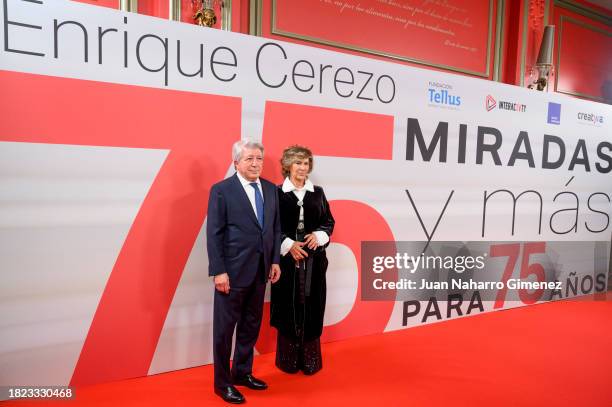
x=291, y=155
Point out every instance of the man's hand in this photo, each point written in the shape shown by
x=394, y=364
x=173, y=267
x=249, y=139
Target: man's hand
x=222, y=283
x=275, y=273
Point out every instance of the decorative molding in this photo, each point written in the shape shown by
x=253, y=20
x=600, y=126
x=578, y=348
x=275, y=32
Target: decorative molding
x=499, y=41
x=260, y=14
x=175, y=10
x=586, y=25
x=524, y=42
x=252, y=17
x=584, y=11
x=589, y=27
x=489, y=40
x=255, y=17
x=560, y=32
x=398, y=57
x=128, y=5
x=226, y=15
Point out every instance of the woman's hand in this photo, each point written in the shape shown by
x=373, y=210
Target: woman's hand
x=311, y=241
x=297, y=252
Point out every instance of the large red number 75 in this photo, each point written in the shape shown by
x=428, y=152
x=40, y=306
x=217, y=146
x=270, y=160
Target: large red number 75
x=511, y=250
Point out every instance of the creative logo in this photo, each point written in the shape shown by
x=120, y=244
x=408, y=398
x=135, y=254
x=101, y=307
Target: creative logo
x=439, y=95
x=590, y=118
x=554, y=113
x=491, y=103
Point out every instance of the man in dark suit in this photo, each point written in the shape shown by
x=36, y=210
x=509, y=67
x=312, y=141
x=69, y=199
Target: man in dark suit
x=243, y=240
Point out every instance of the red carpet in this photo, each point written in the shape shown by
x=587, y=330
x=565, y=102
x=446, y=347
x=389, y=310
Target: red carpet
x=555, y=354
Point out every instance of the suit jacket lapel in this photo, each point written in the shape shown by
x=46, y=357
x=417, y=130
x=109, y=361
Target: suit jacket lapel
x=244, y=199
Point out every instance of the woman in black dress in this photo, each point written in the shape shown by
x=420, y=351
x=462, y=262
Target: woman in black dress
x=298, y=298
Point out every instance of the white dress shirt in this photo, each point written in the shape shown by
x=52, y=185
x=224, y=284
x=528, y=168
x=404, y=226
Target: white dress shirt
x=250, y=191
x=322, y=237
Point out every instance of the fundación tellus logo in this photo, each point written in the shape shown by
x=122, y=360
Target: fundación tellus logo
x=442, y=95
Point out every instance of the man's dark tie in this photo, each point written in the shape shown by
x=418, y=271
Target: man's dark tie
x=258, y=204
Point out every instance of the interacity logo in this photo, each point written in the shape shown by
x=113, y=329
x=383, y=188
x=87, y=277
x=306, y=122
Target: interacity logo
x=554, y=113
x=442, y=95
x=491, y=103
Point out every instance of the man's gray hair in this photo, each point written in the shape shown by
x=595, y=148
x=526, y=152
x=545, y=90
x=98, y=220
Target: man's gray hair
x=240, y=144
